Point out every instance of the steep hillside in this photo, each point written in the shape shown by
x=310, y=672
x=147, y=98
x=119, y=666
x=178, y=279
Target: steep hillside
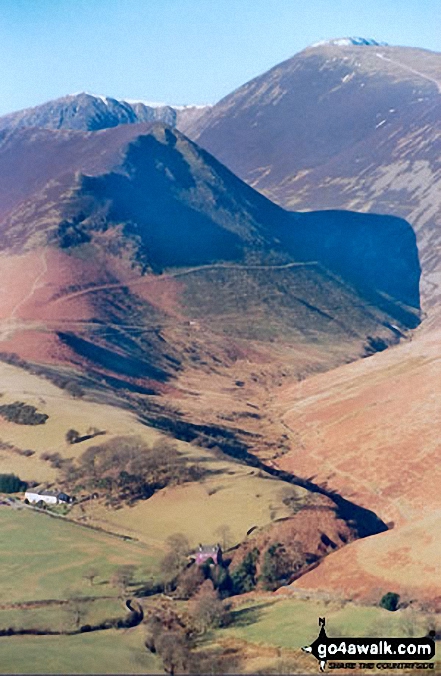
x=351, y=125
x=369, y=430
x=341, y=126
x=405, y=560
x=87, y=112
x=138, y=233
x=146, y=180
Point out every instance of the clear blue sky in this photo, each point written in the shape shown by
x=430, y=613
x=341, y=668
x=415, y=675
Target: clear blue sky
x=180, y=51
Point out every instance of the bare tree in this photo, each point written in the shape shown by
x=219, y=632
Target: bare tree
x=189, y=581
x=176, y=558
x=77, y=607
x=90, y=575
x=123, y=577
x=174, y=651
x=225, y=535
x=179, y=543
x=410, y=622
x=207, y=609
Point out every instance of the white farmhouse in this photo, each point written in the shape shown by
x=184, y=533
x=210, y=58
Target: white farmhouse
x=49, y=497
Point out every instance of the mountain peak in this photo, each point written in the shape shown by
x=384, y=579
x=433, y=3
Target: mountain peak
x=349, y=41
x=90, y=112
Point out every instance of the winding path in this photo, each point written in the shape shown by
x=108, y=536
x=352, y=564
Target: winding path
x=181, y=273
x=411, y=70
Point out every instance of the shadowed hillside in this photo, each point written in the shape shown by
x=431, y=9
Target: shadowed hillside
x=149, y=183
x=341, y=127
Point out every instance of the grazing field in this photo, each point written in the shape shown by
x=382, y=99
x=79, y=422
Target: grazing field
x=105, y=652
x=64, y=413
x=233, y=495
x=293, y=623
x=46, y=558
x=64, y=616
x=236, y=500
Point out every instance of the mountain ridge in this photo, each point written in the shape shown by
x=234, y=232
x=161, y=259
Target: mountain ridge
x=179, y=173
x=83, y=111
x=136, y=208
x=349, y=41
x=140, y=267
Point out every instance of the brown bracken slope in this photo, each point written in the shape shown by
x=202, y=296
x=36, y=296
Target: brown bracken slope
x=370, y=430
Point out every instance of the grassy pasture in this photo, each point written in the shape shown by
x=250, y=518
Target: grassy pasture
x=46, y=558
x=233, y=496
x=105, y=652
x=64, y=413
x=239, y=499
x=293, y=623
x=62, y=617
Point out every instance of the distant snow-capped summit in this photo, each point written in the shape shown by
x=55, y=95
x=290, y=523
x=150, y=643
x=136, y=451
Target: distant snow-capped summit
x=347, y=42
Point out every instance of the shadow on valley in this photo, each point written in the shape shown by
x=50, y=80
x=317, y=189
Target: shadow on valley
x=364, y=521
x=108, y=359
x=244, y=617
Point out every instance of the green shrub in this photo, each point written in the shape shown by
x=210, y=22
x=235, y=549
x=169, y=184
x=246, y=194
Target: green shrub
x=280, y=563
x=243, y=578
x=390, y=601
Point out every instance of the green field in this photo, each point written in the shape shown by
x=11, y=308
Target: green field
x=64, y=617
x=292, y=623
x=105, y=652
x=45, y=558
x=235, y=497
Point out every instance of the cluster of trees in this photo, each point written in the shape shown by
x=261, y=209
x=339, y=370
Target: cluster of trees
x=74, y=437
x=128, y=469
x=173, y=635
x=10, y=483
x=268, y=569
x=184, y=578
x=279, y=564
x=22, y=414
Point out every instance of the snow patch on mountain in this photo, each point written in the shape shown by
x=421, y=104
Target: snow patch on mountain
x=347, y=42
x=157, y=104
x=149, y=104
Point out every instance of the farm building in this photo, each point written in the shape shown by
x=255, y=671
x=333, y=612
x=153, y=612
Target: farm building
x=49, y=497
x=207, y=554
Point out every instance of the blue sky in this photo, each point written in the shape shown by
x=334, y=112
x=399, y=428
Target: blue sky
x=180, y=51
